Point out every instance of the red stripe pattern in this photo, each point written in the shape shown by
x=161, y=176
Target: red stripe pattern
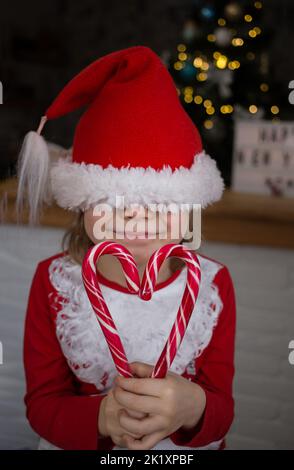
x=145, y=291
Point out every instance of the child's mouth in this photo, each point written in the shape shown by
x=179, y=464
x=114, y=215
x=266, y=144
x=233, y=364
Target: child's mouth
x=131, y=234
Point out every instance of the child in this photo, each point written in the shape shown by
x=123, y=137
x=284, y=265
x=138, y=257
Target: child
x=133, y=140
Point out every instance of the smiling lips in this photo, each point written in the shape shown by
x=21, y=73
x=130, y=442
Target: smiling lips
x=136, y=234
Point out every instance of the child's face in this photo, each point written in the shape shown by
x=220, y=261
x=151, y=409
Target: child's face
x=140, y=230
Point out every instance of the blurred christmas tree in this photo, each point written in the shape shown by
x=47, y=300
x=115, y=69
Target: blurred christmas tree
x=222, y=70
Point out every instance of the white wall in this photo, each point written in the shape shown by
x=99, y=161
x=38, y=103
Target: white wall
x=20, y=250
x=264, y=382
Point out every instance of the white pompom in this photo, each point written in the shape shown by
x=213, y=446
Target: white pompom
x=33, y=176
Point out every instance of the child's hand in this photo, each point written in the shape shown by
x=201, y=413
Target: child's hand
x=171, y=402
x=108, y=420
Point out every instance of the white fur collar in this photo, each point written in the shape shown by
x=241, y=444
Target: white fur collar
x=143, y=326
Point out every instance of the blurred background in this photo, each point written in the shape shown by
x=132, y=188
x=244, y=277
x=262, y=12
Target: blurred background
x=233, y=67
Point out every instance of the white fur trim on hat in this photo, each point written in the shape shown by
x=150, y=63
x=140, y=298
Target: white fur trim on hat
x=80, y=186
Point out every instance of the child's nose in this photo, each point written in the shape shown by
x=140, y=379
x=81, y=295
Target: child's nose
x=135, y=212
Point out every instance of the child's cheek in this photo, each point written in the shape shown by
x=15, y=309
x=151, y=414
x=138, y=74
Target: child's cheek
x=99, y=225
x=177, y=224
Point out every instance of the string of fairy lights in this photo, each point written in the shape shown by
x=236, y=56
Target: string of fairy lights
x=219, y=60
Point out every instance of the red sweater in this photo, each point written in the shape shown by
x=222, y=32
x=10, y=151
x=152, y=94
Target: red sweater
x=64, y=410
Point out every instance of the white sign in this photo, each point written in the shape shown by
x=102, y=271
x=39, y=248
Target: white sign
x=263, y=159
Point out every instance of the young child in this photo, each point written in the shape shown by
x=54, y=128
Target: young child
x=133, y=140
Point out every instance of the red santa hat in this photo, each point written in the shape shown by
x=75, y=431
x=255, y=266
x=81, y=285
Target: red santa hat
x=134, y=140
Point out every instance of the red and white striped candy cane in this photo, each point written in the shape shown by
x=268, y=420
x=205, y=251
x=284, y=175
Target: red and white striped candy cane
x=97, y=300
x=145, y=292
x=187, y=304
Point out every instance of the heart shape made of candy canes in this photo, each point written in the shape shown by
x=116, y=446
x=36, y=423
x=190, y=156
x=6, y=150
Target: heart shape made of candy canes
x=145, y=290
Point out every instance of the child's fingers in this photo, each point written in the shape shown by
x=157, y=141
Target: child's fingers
x=135, y=435
x=143, y=386
x=133, y=413
x=120, y=440
x=148, y=425
x=141, y=369
x=135, y=402
x=147, y=442
x=136, y=414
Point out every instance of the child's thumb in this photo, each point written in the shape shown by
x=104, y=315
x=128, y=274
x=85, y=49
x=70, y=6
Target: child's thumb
x=141, y=369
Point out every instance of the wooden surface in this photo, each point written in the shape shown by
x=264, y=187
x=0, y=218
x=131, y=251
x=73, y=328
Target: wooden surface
x=53, y=216
x=251, y=219
x=236, y=218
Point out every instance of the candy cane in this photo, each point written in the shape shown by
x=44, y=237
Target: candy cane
x=187, y=304
x=97, y=300
x=145, y=291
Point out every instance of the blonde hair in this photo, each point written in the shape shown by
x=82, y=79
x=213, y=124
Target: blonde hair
x=76, y=242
